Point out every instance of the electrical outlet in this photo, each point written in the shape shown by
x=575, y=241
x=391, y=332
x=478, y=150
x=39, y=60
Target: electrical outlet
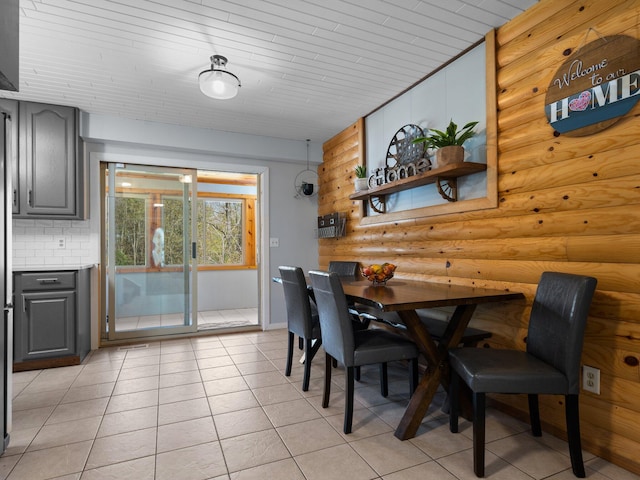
x=62, y=243
x=591, y=379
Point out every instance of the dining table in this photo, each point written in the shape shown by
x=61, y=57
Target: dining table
x=405, y=297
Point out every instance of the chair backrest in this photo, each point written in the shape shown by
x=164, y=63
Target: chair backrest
x=335, y=321
x=296, y=297
x=344, y=269
x=558, y=320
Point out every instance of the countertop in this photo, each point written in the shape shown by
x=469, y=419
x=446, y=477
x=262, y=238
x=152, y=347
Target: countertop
x=50, y=268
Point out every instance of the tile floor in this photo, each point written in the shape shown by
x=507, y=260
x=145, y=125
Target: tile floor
x=219, y=407
x=207, y=320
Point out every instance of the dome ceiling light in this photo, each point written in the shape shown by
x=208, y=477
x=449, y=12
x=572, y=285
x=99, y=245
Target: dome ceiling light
x=217, y=82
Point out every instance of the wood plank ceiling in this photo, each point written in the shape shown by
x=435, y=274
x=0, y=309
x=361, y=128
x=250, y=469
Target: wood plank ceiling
x=309, y=68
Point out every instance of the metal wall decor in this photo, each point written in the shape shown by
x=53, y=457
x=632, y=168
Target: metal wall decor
x=404, y=159
x=332, y=225
x=402, y=150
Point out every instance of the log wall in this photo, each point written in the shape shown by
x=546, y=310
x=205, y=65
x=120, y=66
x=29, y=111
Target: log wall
x=569, y=204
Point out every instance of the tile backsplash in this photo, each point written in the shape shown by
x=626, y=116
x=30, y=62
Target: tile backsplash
x=37, y=242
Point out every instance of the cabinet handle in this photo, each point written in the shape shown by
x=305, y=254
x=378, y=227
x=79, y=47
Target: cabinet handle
x=48, y=280
x=15, y=197
x=29, y=200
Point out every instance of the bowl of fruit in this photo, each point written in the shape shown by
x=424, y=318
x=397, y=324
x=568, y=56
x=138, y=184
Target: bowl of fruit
x=378, y=274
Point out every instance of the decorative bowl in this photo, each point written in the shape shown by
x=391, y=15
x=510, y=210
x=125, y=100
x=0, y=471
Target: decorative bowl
x=377, y=273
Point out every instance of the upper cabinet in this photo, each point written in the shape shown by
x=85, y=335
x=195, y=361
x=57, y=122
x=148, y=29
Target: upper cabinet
x=11, y=107
x=51, y=172
x=9, y=45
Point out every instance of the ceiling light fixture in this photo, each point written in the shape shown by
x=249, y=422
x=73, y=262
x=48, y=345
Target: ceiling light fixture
x=217, y=82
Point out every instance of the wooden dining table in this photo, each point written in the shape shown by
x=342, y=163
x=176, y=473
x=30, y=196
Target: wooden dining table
x=404, y=297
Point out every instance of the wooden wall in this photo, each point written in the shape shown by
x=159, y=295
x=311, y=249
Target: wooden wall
x=565, y=204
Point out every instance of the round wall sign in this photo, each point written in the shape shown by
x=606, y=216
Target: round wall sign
x=595, y=86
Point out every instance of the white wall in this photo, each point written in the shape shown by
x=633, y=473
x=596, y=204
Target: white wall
x=291, y=220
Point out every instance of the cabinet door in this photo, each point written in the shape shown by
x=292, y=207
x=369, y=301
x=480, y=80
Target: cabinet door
x=11, y=107
x=48, y=324
x=48, y=152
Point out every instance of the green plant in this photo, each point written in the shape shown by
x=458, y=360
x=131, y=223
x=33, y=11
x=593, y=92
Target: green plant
x=361, y=171
x=451, y=136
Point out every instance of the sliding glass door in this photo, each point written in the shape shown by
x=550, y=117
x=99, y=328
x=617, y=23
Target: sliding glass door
x=149, y=251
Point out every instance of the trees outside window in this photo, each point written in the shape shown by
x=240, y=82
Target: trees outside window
x=131, y=230
x=224, y=232
x=220, y=232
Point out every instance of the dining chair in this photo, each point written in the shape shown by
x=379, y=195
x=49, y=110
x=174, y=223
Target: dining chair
x=302, y=319
x=550, y=364
x=350, y=270
x=343, y=268
x=354, y=348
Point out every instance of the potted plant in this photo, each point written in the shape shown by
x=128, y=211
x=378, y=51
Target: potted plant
x=361, y=182
x=448, y=143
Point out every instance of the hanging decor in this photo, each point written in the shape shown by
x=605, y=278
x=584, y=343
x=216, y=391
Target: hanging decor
x=306, y=182
x=595, y=86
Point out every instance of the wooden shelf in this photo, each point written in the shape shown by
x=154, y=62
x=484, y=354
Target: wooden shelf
x=445, y=178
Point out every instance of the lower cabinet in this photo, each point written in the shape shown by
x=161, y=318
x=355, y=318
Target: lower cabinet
x=51, y=318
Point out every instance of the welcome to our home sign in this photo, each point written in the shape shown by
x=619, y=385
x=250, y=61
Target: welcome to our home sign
x=595, y=86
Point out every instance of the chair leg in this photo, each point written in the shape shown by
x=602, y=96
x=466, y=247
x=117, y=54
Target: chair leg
x=413, y=375
x=478, y=432
x=287, y=370
x=384, y=380
x=300, y=343
x=308, y=355
x=534, y=415
x=454, y=400
x=328, y=360
x=357, y=373
x=348, y=399
x=573, y=434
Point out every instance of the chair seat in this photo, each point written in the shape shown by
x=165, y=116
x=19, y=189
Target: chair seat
x=471, y=337
x=379, y=346
x=506, y=371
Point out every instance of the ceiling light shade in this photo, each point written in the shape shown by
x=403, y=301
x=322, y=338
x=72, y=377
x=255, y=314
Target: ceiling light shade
x=217, y=82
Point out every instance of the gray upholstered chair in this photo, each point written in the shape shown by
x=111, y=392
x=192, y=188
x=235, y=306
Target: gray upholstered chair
x=550, y=364
x=302, y=319
x=351, y=270
x=344, y=269
x=354, y=348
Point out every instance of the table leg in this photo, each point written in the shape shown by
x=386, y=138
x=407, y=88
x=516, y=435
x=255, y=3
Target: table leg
x=437, y=368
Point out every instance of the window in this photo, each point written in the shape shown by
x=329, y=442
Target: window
x=225, y=229
x=220, y=229
x=130, y=231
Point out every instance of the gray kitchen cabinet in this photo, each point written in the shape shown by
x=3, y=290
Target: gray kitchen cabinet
x=51, y=172
x=11, y=106
x=51, y=318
